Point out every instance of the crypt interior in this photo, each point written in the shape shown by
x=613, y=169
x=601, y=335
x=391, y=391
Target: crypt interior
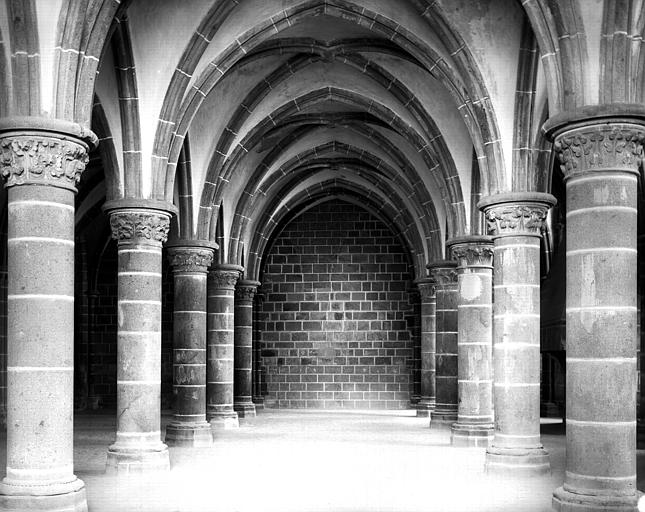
x=308, y=255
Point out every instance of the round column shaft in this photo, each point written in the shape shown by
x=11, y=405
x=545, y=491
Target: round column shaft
x=243, y=352
x=474, y=255
x=220, y=346
x=445, y=276
x=515, y=221
x=140, y=233
x=41, y=170
x=258, y=398
x=601, y=164
x=427, y=293
x=190, y=270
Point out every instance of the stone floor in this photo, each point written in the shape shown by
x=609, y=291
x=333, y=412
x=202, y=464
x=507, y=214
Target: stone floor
x=317, y=461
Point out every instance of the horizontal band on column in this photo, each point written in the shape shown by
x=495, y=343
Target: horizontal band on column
x=601, y=308
x=603, y=177
x=514, y=465
x=139, y=301
x=475, y=415
x=597, y=477
x=186, y=312
x=138, y=333
x=138, y=273
x=244, y=305
x=191, y=349
x=474, y=306
x=445, y=310
x=512, y=246
x=446, y=354
x=477, y=381
x=612, y=209
x=189, y=385
x=137, y=382
x=139, y=434
x=189, y=415
x=473, y=343
x=55, y=471
x=189, y=364
x=575, y=252
x=518, y=315
x=33, y=202
x=219, y=382
x=516, y=285
x=40, y=368
x=619, y=360
x=601, y=423
x=221, y=358
x=221, y=296
x=42, y=296
x=150, y=251
x=49, y=239
x=516, y=384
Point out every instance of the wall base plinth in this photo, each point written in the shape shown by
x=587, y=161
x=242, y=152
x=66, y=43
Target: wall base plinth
x=424, y=408
x=442, y=419
x=565, y=501
x=196, y=435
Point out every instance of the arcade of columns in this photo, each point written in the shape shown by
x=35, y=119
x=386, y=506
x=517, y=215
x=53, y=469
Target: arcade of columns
x=480, y=323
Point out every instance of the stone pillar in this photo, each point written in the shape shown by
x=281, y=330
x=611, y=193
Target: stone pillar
x=474, y=425
x=445, y=276
x=258, y=397
x=140, y=227
x=220, y=346
x=428, y=346
x=600, y=161
x=515, y=221
x=243, y=352
x=190, y=270
x=42, y=166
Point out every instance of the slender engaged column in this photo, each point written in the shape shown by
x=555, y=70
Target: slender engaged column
x=243, y=352
x=445, y=276
x=220, y=346
x=515, y=221
x=428, y=346
x=190, y=270
x=601, y=162
x=140, y=231
x=258, y=397
x=41, y=169
x=474, y=255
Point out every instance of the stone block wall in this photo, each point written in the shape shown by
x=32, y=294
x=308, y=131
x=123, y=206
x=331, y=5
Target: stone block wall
x=337, y=324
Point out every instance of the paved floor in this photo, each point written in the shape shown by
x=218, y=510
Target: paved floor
x=316, y=461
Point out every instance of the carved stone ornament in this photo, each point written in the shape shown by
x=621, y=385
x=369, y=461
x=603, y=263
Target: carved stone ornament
x=190, y=259
x=245, y=292
x=609, y=146
x=139, y=226
x=33, y=159
x=520, y=219
x=445, y=276
x=223, y=279
x=473, y=255
x=427, y=290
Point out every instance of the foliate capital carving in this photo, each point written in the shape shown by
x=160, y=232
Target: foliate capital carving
x=600, y=147
x=246, y=290
x=224, y=279
x=138, y=226
x=444, y=276
x=42, y=160
x=473, y=254
x=427, y=289
x=516, y=218
x=190, y=259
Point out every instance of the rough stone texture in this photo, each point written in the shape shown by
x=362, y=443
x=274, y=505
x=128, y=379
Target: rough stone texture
x=515, y=221
x=427, y=293
x=243, y=352
x=140, y=233
x=190, y=269
x=445, y=275
x=40, y=320
x=220, y=346
x=474, y=257
x=600, y=163
x=336, y=326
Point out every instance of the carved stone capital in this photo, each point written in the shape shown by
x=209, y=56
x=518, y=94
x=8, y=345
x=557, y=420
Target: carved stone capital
x=245, y=290
x=139, y=226
x=224, y=277
x=472, y=251
x=517, y=213
x=427, y=289
x=612, y=146
x=444, y=273
x=190, y=259
x=35, y=158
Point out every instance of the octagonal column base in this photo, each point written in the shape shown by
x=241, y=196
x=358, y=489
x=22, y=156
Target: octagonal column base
x=565, y=501
x=133, y=460
x=75, y=501
x=472, y=436
x=245, y=409
x=193, y=435
x=517, y=461
x=224, y=420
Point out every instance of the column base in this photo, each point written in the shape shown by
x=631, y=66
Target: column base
x=442, y=419
x=122, y=460
x=259, y=402
x=195, y=435
x=471, y=436
x=565, y=501
x=517, y=461
x=424, y=408
x=224, y=420
x=245, y=409
x=64, y=497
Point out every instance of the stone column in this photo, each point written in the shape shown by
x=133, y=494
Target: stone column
x=190, y=270
x=428, y=346
x=243, y=352
x=515, y=221
x=474, y=425
x=600, y=161
x=42, y=166
x=445, y=276
x=140, y=227
x=220, y=346
x=258, y=398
